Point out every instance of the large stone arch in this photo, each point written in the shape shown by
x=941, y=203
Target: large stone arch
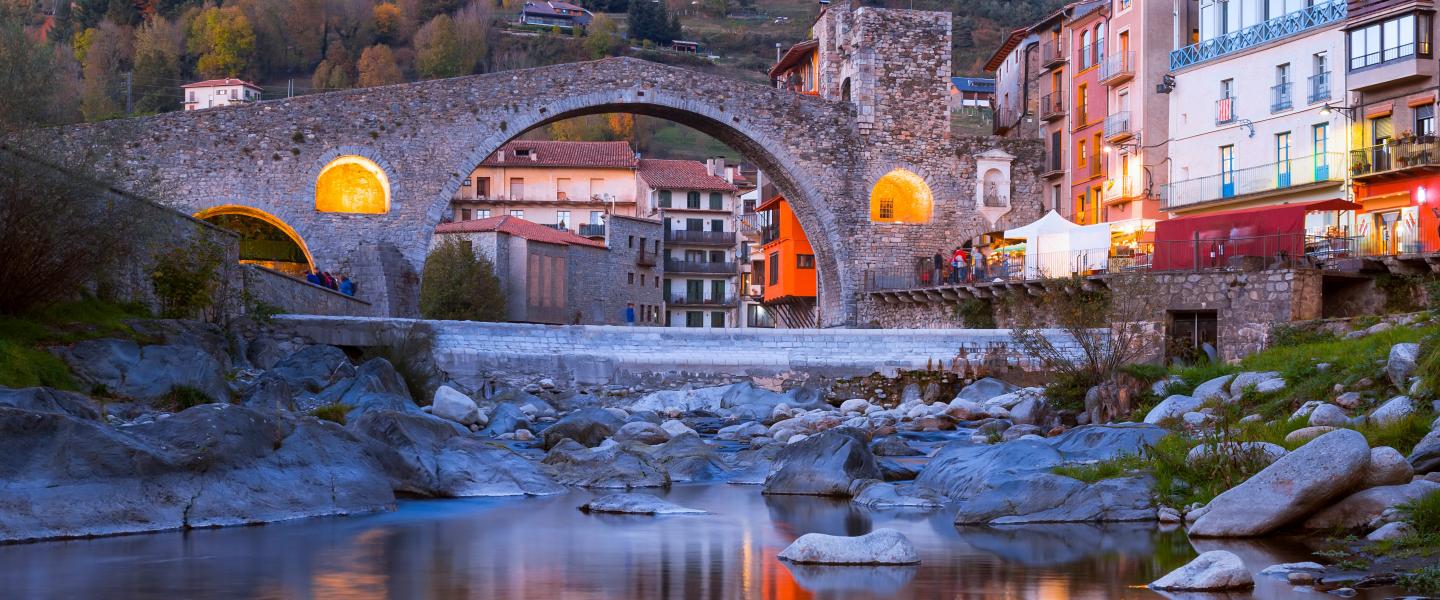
x=255, y=213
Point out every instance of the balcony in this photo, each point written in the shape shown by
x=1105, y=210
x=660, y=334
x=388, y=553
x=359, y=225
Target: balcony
x=1300, y=21
x=701, y=238
x=1118, y=127
x=1375, y=77
x=1123, y=191
x=1054, y=167
x=1280, y=97
x=1225, y=111
x=1093, y=169
x=1052, y=106
x=1051, y=55
x=1118, y=69
x=1396, y=159
x=1255, y=182
x=592, y=230
x=687, y=300
x=701, y=268
x=645, y=258
x=1319, y=88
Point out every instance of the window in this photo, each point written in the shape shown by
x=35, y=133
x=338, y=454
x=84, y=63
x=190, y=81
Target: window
x=1320, y=140
x=692, y=200
x=1282, y=159
x=717, y=224
x=1388, y=40
x=694, y=318
x=717, y=289
x=631, y=243
x=1084, y=49
x=517, y=188
x=1227, y=171
x=717, y=256
x=664, y=198
x=717, y=319
x=562, y=188
x=1124, y=4
x=482, y=213
x=482, y=187
x=517, y=213
x=1425, y=119
x=804, y=261
x=1082, y=105
x=774, y=268
x=1100, y=43
x=1224, y=17
x=1082, y=153
x=597, y=187
x=1056, y=197
x=694, y=224
x=887, y=208
x=717, y=202
x=464, y=214
x=562, y=218
x=642, y=279
x=632, y=278
x=1227, y=88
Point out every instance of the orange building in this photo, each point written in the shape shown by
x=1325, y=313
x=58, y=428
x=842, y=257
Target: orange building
x=789, y=266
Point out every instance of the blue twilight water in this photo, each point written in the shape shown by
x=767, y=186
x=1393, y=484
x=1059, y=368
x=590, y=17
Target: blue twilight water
x=545, y=548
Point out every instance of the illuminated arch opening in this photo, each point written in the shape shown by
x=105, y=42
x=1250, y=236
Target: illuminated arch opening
x=353, y=184
x=264, y=239
x=900, y=197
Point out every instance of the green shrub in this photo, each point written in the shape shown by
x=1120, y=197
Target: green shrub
x=182, y=397
x=1105, y=469
x=185, y=278
x=975, y=313
x=1428, y=365
x=1425, y=580
x=1291, y=335
x=1424, y=513
x=459, y=285
x=1066, y=391
x=331, y=412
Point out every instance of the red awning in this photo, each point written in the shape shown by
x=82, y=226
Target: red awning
x=1213, y=238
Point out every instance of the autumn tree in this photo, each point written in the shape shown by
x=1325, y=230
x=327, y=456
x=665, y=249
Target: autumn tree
x=336, y=72
x=377, y=67
x=472, y=27
x=289, y=34
x=223, y=41
x=457, y=284
x=602, y=37
x=33, y=78
x=437, y=49
x=390, y=25
x=107, y=50
x=158, y=49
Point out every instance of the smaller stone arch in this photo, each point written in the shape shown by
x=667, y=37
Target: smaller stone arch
x=901, y=196
x=352, y=183
x=238, y=210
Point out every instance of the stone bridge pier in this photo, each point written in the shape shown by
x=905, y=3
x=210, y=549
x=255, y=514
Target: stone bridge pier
x=362, y=177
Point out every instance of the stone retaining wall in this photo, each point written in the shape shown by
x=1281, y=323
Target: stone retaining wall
x=293, y=295
x=472, y=353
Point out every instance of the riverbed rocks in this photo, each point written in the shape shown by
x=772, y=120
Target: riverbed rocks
x=1387, y=467
x=1051, y=498
x=1258, y=451
x=506, y=418
x=687, y=458
x=641, y=432
x=451, y=404
x=1172, y=408
x=1400, y=364
x=428, y=456
x=632, y=503
x=50, y=400
x=146, y=372
x=879, y=547
x=1393, y=410
x=1213, y=571
x=1328, y=415
x=1214, y=389
x=587, y=426
x=1363, y=507
x=826, y=464
x=1305, y=434
x=1290, y=489
x=1425, y=457
x=893, y=445
x=608, y=465
x=982, y=390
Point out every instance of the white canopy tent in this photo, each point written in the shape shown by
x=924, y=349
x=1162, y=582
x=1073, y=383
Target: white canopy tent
x=1056, y=247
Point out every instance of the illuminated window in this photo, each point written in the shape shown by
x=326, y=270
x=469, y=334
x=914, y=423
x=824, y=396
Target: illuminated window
x=900, y=197
x=352, y=184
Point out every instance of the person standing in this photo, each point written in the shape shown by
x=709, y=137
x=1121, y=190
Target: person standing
x=937, y=267
x=630, y=314
x=347, y=287
x=957, y=265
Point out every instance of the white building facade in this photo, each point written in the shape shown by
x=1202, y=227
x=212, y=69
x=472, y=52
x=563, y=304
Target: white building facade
x=698, y=207
x=219, y=92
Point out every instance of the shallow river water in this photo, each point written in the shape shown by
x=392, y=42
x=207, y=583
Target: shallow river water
x=546, y=548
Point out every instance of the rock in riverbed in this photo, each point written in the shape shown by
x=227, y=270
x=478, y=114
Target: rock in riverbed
x=879, y=547
x=636, y=504
x=826, y=464
x=1213, y=571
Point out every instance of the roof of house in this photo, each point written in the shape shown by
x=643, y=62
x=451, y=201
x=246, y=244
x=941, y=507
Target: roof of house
x=220, y=82
x=793, y=56
x=554, y=8
x=518, y=227
x=1003, y=51
x=541, y=153
x=681, y=175
x=973, y=84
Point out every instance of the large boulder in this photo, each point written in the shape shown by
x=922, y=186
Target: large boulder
x=1104, y=442
x=128, y=369
x=688, y=458
x=1213, y=571
x=209, y=466
x=879, y=547
x=1051, y=498
x=982, y=390
x=1387, y=467
x=50, y=400
x=1360, y=508
x=429, y=456
x=1393, y=410
x=1172, y=408
x=608, y=465
x=1290, y=489
x=632, y=503
x=826, y=464
x=641, y=432
x=1328, y=415
x=1401, y=364
x=588, y=426
x=506, y=418
x=1030, y=411
x=1253, y=380
x=1425, y=457
x=879, y=494
x=893, y=445
x=453, y=405
x=1214, y=389
x=313, y=368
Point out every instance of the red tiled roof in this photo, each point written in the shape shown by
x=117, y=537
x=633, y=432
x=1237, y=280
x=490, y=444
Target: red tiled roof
x=793, y=56
x=617, y=155
x=220, y=82
x=518, y=227
x=681, y=175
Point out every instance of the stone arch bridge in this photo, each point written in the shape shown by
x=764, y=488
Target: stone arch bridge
x=428, y=136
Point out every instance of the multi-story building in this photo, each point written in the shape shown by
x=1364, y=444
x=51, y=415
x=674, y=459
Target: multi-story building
x=1392, y=77
x=219, y=92
x=696, y=204
x=1137, y=42
x=1053, y=108
x=570, y=185
x=788, y=266
x=1249, y=125
x=555, y=13
x=1016, y=64
x=1088, y=111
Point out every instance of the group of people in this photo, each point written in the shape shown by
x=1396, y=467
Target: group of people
x=959, y=266
x=325, y=279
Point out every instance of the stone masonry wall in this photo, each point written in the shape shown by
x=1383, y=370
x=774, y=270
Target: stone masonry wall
x=472, y=353
x=295, y=296
x=599, y=279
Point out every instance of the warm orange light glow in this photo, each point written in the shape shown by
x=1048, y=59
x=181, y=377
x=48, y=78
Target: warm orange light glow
x=255, y=213
x=900, y=197
x=353, y=184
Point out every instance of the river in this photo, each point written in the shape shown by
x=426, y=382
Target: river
x=546, y=548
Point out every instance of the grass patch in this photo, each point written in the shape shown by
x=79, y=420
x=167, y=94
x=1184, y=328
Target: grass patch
x=182, y=397
x=1425, y=580
x=1105, y=469
x=331, y=412
x=24, y=362
x=1401, y=435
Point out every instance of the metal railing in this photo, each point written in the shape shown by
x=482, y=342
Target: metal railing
x=592, y=229
x=645, y=258
x=1052, y=106
x=1280, y=97
x=1051, y=54
x=711, y=268
x=1326, y=166
x=1118, y=124
x=1118, y=66
x=1225, y=110
x=1095, y=167
x=688, y=300
x=1086, y=54
x=700, y=237
x=1300, y=21
x=1319, y=88
x=1395, y=155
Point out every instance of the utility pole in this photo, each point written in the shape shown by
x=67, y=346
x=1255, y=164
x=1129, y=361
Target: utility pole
x=290, y=88
x=129, y=80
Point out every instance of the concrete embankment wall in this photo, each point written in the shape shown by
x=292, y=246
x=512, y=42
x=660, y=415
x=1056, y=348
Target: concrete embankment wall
x=473, y=353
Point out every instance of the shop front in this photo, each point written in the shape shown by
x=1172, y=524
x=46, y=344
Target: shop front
x=1399, y=217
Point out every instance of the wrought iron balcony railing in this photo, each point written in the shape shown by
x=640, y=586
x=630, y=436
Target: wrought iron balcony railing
x=1305, y=19
x=1275, y=176
x=1280, y=97
x=1319, y=88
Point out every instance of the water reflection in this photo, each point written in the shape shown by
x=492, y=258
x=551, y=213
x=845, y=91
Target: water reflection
x=545, y=548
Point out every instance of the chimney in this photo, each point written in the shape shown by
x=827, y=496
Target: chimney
x=730, y=171
x=715, y=166
x=500, y=155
